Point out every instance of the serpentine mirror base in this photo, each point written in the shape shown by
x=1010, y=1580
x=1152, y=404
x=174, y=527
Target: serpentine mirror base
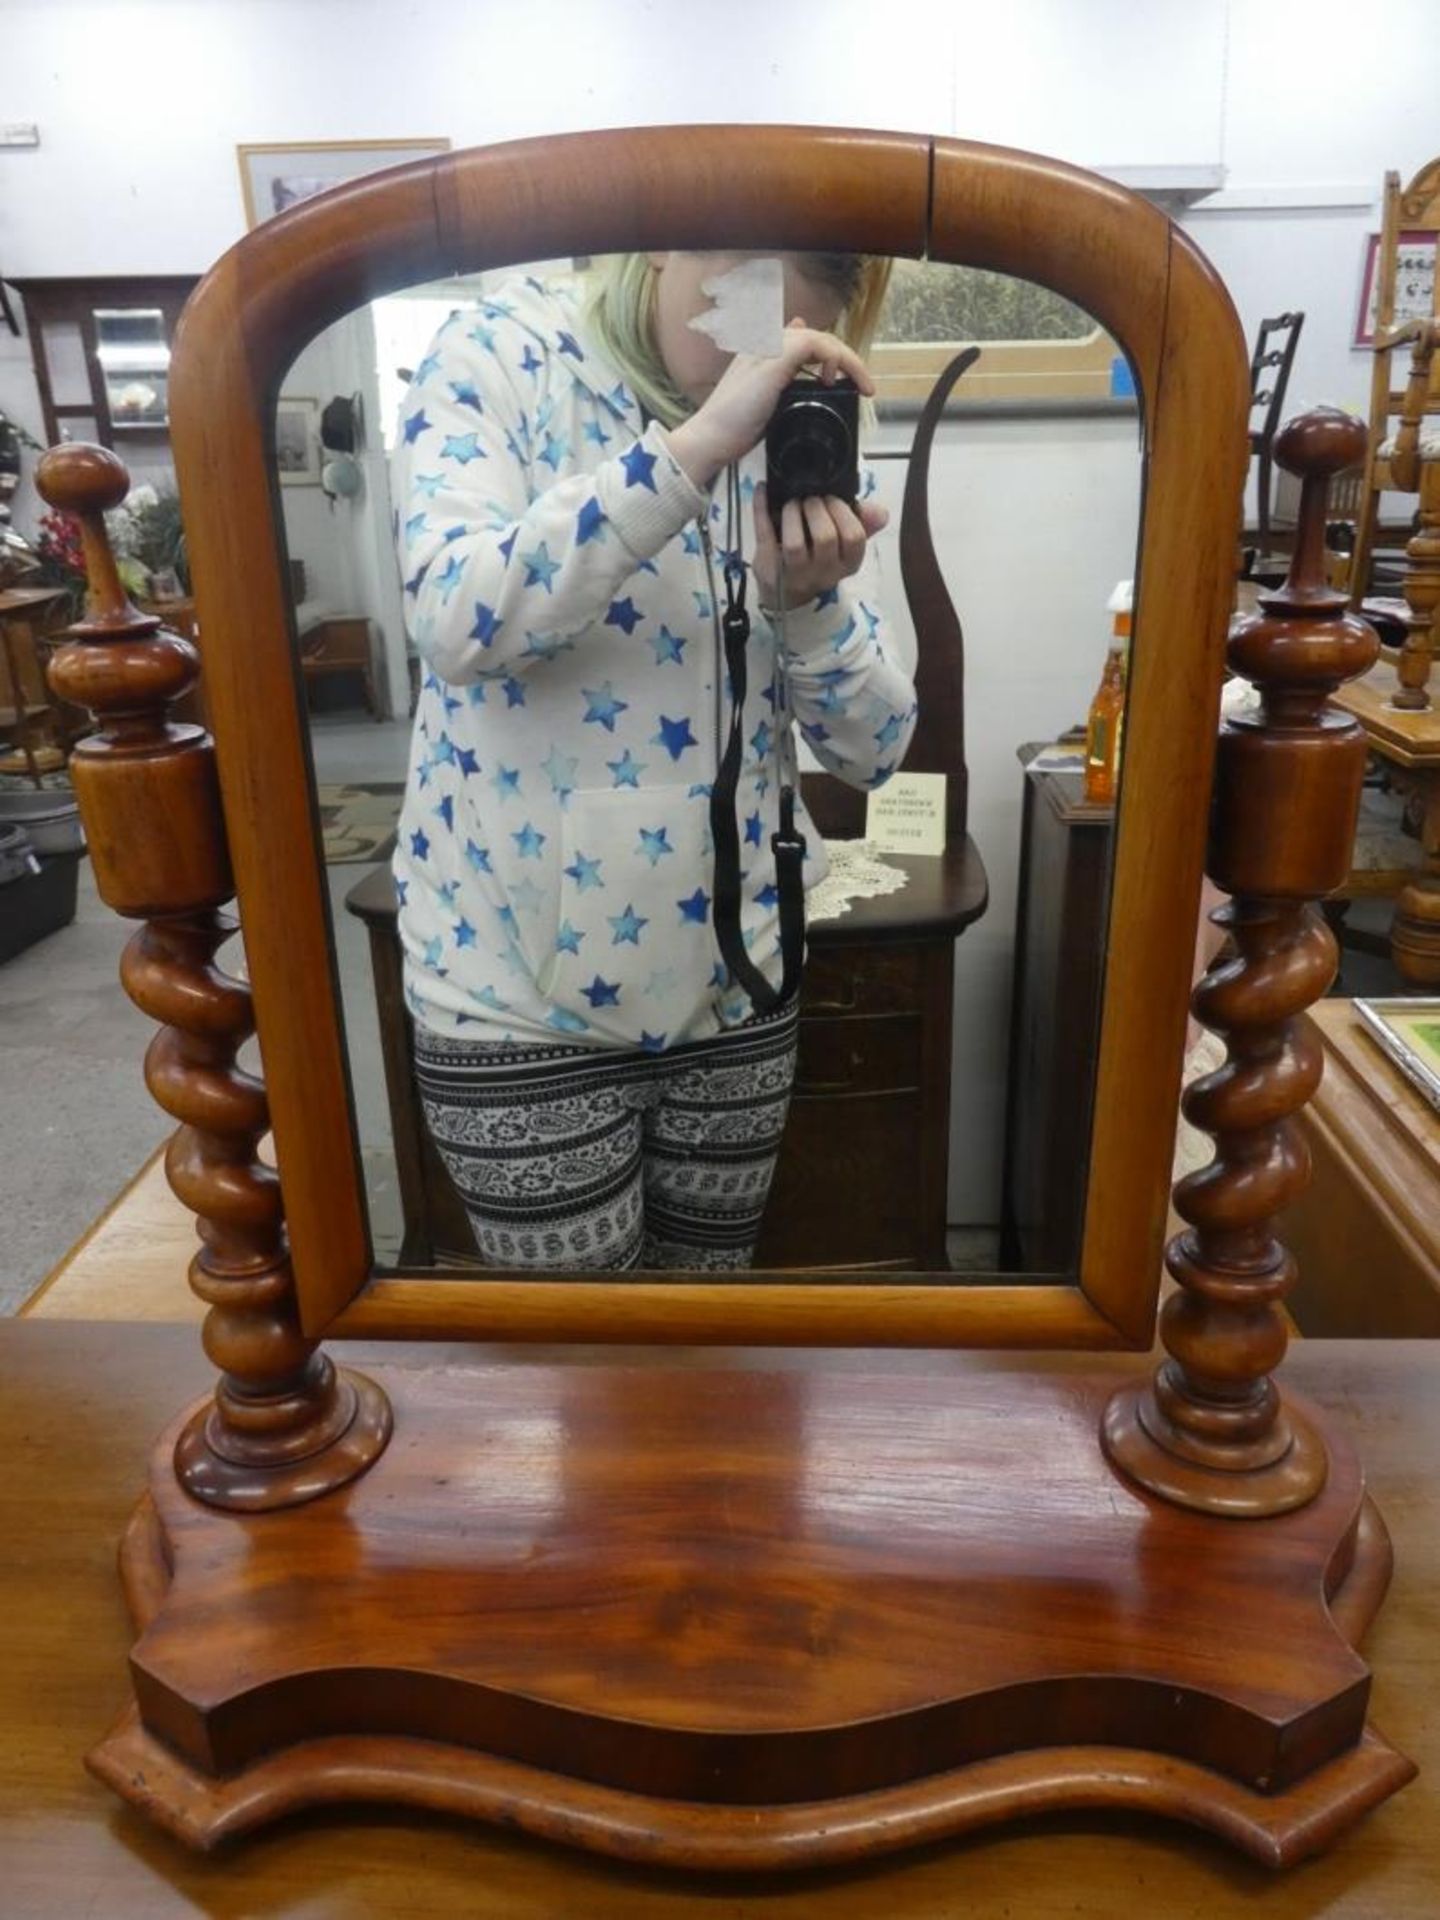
x=745, y=1613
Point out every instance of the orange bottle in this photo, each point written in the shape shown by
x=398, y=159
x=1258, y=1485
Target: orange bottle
x=1105, y=728
x=1103, y=731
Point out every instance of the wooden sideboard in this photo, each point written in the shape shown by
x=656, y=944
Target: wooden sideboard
x=1366, y=1231
x=861, y=1179
x=1059, y=979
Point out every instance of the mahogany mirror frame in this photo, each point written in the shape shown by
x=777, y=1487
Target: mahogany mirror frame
x=740, y=187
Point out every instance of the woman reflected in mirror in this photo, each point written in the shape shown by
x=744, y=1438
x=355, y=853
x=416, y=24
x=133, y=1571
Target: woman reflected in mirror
x=578, y=477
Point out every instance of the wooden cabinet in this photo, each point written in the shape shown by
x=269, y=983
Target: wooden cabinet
x=343, y=645
x=1054, y=1020
x=101, y=352
x=1366, y=1231
x=862, y=1174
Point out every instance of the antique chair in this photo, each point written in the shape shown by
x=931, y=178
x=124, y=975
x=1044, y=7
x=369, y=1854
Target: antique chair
x=1271, y=361
x=729, y=1612
x=1407, y=460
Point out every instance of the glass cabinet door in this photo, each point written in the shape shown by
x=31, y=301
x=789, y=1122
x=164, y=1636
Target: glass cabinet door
x=134, y=357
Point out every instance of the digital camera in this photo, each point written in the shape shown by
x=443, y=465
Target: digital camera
x=812, y=444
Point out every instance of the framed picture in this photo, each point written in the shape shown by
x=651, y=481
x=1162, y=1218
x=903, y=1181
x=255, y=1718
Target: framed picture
x=1414, y=283
x=1409, y=1032
x=274, y=175
x=297, y=441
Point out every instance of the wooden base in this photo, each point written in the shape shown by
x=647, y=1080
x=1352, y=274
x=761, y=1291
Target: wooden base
x=737, y=1619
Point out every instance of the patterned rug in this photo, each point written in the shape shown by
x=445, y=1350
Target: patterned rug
x=357, y=823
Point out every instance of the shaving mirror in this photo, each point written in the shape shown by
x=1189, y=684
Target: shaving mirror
x=244, y=333
x=742, y=1611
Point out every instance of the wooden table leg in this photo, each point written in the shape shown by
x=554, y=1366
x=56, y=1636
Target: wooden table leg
x=1415, y=930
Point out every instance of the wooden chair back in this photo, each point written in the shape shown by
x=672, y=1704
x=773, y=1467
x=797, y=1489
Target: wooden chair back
x=1410, y=226
x=1270, y=366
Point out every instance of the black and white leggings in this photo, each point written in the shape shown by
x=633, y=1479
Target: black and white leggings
x=569, y=1158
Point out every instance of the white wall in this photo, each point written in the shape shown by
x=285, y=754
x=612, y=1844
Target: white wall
x=1034, y=522
x=1305, y=106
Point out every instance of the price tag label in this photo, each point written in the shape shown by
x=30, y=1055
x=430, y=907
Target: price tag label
x=907, y=814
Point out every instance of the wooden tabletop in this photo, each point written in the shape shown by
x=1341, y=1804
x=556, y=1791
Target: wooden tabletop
x=1408, y=738
x=80, y=1406
x=27, y=599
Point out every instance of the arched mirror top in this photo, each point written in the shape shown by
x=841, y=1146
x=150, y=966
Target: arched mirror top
x=725, y=188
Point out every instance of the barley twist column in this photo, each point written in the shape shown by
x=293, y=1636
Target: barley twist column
x=1211, y=1431
x=285, y=1425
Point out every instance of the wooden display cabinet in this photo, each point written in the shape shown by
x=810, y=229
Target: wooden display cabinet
x=94, y=340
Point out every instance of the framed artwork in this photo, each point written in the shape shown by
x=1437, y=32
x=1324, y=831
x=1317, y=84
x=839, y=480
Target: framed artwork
x=1414, y=283
x=297, y=441
x=275, y=175
x=1409, y=1032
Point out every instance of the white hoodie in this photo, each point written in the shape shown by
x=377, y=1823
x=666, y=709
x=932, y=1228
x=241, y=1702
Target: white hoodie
x=561, y=575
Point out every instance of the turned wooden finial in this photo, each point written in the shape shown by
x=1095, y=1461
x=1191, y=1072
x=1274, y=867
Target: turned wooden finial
x=285, y=1424
x=1211, y=1430
x=88, y=482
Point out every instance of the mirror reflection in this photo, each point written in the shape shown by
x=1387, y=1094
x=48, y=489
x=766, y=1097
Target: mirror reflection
x=518, y=510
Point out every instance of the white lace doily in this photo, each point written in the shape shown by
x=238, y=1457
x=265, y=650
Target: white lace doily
x=857, y=872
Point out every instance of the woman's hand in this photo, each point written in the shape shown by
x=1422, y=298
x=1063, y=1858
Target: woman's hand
x=822, y=542
x=738, y=409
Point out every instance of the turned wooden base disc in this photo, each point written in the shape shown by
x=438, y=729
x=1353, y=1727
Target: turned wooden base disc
x=719, y=1617
x=1144, y=1446
x=339, y=1443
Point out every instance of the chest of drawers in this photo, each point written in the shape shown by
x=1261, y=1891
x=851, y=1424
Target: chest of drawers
x=863, y=1168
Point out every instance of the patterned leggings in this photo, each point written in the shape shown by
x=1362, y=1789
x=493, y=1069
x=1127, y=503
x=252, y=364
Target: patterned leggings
x=569, y=1158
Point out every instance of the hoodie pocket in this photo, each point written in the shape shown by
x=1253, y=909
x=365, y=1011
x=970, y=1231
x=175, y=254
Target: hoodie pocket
x=635, y=956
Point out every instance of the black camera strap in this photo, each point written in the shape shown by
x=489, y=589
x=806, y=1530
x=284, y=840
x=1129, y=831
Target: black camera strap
x=787, y=844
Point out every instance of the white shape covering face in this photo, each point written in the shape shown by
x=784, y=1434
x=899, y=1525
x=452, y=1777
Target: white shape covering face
x=684, y=294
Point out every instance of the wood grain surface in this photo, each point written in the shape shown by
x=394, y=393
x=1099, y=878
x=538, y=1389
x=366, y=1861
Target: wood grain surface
x=77, y=1418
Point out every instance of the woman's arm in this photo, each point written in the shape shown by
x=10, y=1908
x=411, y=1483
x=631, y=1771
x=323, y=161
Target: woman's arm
x=496, y=574
x=853, y=701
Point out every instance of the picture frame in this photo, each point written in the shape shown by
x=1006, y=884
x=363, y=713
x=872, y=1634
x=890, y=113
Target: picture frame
x=276, y=174
x=297, y=441
x=1414, y=283
x=1408, y=1032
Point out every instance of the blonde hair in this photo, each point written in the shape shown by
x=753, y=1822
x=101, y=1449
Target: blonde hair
x=621, y=308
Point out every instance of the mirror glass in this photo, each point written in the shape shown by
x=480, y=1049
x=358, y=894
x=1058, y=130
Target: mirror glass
x=134, y=358
x=506, y=611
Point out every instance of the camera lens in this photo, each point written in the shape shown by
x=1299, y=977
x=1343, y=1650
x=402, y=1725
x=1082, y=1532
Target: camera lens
x=812, y=454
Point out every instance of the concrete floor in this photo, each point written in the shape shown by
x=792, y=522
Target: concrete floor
x=76, y=1121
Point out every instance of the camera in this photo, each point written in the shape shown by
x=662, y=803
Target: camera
x=812, y=444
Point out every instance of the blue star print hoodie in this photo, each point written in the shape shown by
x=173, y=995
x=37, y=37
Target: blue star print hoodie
x=561, y=572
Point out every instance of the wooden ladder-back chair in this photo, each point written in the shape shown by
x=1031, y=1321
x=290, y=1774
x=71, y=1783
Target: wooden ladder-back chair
x=1270, y=366
x=1407, y=459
